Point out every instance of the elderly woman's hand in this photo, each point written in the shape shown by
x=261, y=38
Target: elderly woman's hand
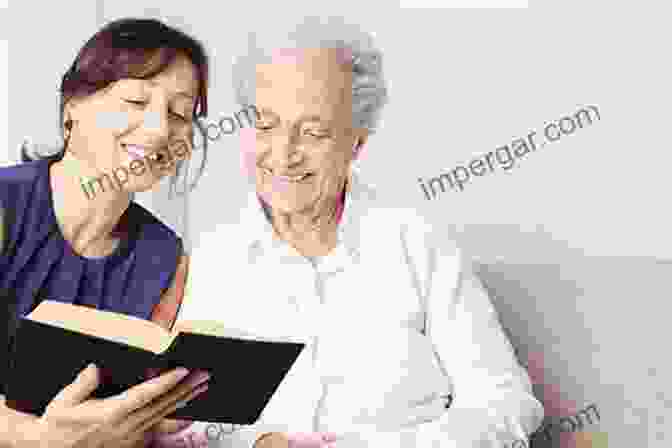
x=297, y=440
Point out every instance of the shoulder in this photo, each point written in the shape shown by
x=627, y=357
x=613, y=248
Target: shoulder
x=19, y=191
x=15, y=179
x=22, y=172
x=393, y=232
x=386, y=221
x=429, y=250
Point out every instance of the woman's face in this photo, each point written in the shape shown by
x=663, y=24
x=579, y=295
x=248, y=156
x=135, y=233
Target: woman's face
x=302, y=147
x=119, y=128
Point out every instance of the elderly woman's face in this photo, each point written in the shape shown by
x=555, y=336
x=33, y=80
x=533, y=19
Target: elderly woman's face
x=124, y=124
x=303, y=143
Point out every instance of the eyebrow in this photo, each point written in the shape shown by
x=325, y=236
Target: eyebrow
x=185, y=94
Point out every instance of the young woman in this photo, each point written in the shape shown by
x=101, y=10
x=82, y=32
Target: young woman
x=128, y=108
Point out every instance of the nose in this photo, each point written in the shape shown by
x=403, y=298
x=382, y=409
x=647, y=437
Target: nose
x=283, y=151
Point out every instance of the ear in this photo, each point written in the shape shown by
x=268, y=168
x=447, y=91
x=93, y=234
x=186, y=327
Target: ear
x=68, y=112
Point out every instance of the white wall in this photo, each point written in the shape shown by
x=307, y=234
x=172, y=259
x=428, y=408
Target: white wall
x=45, y=38
x=4, y=89
x=4, y=86
x=464, y=82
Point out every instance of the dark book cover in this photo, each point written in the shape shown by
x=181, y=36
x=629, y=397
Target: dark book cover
x=244, y=373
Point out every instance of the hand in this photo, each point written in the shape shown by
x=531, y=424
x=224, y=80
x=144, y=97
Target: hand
x=73, y=421
x=272, y=440
x=297, y=440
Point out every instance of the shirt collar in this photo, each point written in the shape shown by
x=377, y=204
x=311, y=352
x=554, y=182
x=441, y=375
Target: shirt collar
x=259, y=232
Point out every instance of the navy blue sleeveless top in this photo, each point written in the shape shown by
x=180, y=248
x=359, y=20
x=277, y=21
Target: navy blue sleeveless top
x=38, y=263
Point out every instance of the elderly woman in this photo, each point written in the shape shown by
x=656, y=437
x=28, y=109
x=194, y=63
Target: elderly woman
x=404, y=347
x=128, y=105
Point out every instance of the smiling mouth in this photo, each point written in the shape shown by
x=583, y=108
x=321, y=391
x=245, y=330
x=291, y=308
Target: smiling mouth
x=140, y=152
x=294, y=179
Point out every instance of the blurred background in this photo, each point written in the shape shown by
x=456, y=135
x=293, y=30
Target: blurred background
x=573, y=242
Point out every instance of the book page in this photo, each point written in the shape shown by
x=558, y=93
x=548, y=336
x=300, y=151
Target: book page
x=108, y=325
x=216, y=328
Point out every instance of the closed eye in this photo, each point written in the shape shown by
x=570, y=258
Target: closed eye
x=137, y=102
x=317, y=134
x=180, y=117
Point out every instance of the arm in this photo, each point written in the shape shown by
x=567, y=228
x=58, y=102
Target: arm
x=493, y=405
x=493, y=400
x=493, y=395
x=165, y=312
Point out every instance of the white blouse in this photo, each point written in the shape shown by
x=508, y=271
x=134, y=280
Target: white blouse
x=396, y=324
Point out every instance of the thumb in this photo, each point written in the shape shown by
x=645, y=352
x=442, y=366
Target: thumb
x=80, y=389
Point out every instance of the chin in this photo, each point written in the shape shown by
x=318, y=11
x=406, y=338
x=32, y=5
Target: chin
x=285, y=204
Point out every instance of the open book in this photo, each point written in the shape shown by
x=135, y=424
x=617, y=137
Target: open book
x=57, y=340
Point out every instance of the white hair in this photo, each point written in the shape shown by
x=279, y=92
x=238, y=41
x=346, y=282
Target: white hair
x=369, y=92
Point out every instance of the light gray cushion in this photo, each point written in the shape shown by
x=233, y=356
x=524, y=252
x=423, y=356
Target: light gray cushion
x=593, y=331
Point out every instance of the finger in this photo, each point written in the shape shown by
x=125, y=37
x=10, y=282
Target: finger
x=150, y=416
x=80, y=389
x=181, y=394
x=137, y=397
x=143, y=420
